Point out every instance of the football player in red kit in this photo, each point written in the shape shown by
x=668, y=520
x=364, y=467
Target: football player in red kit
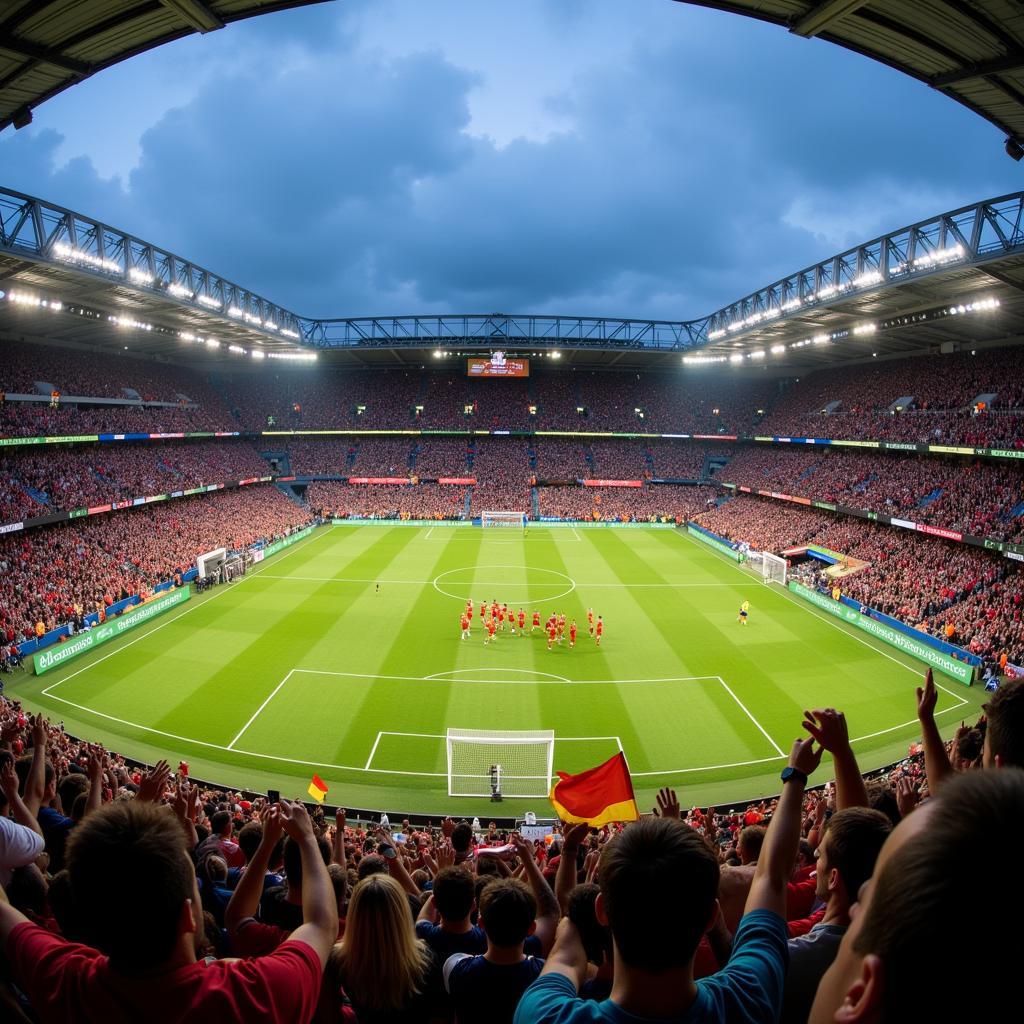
x=491, y=630
x=552, y=633
x=572, y=633
x=522, y=621
x=465, y=625
x=599, y=629
x=536, y=622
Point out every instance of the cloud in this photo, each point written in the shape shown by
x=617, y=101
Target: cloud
x=691, y=166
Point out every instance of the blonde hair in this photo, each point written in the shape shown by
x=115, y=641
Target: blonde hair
x=380, y=963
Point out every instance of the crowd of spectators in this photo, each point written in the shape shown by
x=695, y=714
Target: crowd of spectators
x=625, y=504
x=977, y=497
x=133, y=893
x=57, y=574
x=700, y=400
x=386, y=501
x=943, y=389
x=32, y=483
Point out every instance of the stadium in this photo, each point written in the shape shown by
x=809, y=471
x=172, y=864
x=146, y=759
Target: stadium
x=428, y=567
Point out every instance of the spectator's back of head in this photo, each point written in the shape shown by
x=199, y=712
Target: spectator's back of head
x=1004, y=733
x=372, y=864
x=749, y=844
x=462, y=837
x=595, y=936
x=507, y=912
x=854, y=839
x=130, y=875
x=454, y=893
x=658, y=869
x=220, y=823
x=931, y=942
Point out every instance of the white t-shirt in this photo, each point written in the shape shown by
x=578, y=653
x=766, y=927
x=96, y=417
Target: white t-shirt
x=18, y=846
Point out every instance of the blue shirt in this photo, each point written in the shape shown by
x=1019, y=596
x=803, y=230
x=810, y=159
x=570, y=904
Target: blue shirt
x=486, y=993
x=748, y=990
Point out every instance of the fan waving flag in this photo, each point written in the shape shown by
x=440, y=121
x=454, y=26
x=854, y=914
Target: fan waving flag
x=317, y=789
x=597, y=796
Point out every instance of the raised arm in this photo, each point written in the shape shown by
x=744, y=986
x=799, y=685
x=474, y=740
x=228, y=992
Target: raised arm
x=95, y=798
x=778, y=854
x=565, y=878
x=245, y=900
x=567, y=956
x=547, y=905
x=21, y=814
x=35, y=784
x=829, y=728
x=936, y=760
x=319, y=927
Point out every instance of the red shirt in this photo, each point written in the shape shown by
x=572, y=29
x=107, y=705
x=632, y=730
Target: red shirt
x=536, y=618
x=522, y=619
x=65, y=981
x=572, y=632
x=491, y=627
x=600, y=628
x=551, y=633
x=465, y=622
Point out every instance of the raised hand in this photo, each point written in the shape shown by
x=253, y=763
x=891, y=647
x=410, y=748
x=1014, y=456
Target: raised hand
x=340, y=816
x=270, y=820
x=907, y=796
x=668, y=804
x=573, y=836
x=828, y=727
x=295, y=820
x=39, y=733
x=154, y=782
x=445, y=855
x=804, y=757
x=447, y=828
x=9, y=781
x=927, y=698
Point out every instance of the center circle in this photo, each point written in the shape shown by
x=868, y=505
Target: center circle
x=503, y=581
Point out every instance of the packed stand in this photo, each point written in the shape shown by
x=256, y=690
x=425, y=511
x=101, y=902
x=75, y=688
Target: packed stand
x=57, y=574
x=503, y=474
x=973, y=497
x=96, y=474
x=625, y=504
x=330, y=498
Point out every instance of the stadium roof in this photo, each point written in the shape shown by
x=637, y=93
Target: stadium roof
x=954, y=280
x=46, y=46
x=972, y=52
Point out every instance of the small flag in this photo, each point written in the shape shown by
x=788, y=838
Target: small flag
x=317, y=789
x=598, y=796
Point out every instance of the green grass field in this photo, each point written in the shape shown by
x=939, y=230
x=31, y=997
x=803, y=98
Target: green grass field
x=304, y=666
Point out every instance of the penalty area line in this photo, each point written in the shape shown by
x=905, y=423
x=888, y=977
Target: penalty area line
x=746, y=711
x=255, y=714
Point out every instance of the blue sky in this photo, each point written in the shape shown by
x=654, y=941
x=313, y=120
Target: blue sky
x=604, y=157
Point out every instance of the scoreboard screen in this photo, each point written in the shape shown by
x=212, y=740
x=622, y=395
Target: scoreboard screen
x=499, y=365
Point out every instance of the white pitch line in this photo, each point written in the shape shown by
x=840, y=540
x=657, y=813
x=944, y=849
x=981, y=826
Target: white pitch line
x=589, y=586
x=226, y=588
x=429, y=532
x=619, y=742
x=373, y=751
x=255, y=714
x=523, y=682
x=393, y=771
x=746, y=711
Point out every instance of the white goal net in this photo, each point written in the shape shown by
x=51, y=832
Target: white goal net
x=512, y=520
x=519, y=762
x=773, y=568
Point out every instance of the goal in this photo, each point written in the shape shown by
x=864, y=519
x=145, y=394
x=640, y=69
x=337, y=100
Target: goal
x=513, y=520
x=773, y=568
x=519, y=761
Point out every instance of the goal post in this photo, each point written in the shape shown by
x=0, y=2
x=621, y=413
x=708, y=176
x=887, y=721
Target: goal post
x=508, y=520
x=773, y=568
x=520, y=760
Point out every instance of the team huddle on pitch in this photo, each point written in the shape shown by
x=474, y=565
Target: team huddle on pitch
x=494, y=617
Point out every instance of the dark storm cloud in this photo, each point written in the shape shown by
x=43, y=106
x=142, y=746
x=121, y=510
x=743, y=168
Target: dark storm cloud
x=697, y=167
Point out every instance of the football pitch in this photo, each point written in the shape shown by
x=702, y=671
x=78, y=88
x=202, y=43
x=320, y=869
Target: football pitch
x=341, y=655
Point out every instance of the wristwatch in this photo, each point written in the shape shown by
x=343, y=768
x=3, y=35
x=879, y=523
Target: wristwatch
x=790, y=772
